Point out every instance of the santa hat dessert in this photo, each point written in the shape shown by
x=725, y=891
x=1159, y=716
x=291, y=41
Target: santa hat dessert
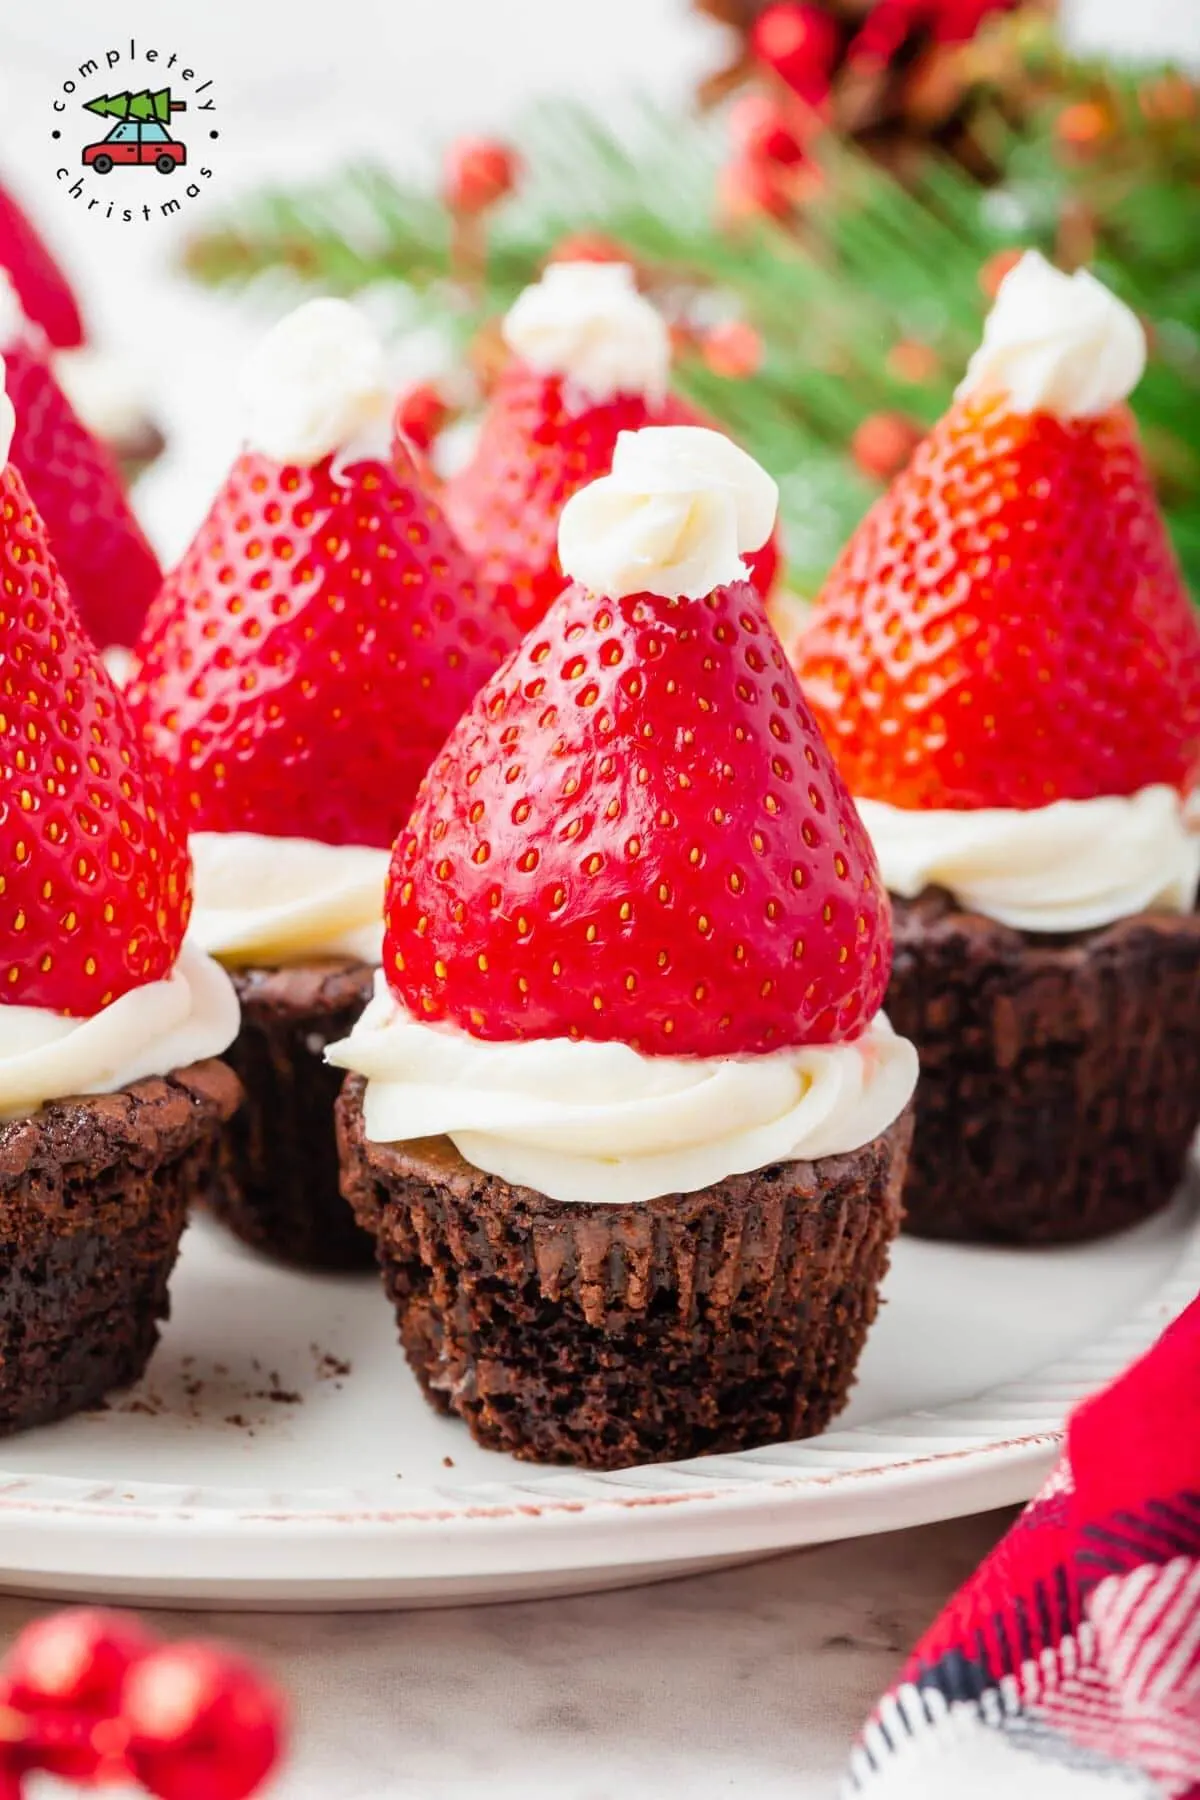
x=626, y=1120
x=111, y=1108
x=301, y=668
x=110, y=570
x=1007, y=666
x=590, y=358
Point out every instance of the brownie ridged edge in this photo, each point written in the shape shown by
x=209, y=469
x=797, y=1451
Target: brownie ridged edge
x=1060, y=1077
x=610, y=1335
x=94, y=1196
x=280, y=1193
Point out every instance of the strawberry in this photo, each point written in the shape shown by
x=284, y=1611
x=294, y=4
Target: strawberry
x=1008, y=626
x=307, y=658
x=637, y=834
x=547, y=432
x=95, y=882
x=44, y=290
x=110, y=569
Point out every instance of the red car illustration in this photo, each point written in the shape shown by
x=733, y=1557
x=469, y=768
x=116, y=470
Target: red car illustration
x=137, y=141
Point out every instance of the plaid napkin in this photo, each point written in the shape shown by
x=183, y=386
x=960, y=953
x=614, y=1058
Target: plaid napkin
x=1068, y=1667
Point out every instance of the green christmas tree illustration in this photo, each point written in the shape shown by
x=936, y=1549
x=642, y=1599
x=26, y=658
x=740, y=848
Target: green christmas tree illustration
x=142, y=105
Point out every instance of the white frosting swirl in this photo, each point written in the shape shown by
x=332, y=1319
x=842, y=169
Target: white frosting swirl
x=679, y=511
x=596, y=1122
x=1069, y=866
x=317, y=386
x=1057, y=343
x=268, y=900
x=151, y=1030
x=587, y=322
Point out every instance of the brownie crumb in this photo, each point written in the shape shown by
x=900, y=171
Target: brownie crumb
x=447, y=1462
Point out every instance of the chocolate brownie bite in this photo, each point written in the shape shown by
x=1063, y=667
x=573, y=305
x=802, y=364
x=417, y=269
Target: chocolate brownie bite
x=625, y=1118
x=94, y=1196
x=279, y=1191
x=1006, y=663
x=1060, y=1074
x=612, y=1335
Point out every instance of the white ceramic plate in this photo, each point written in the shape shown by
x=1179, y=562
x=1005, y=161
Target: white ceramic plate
x=278, y=1454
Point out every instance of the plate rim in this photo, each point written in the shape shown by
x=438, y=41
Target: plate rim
x=571, y=1504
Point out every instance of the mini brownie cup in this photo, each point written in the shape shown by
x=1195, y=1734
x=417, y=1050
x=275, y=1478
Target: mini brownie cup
x=111, y=1112
x=301, y=667
x=625, y=1119
x=1007, y=665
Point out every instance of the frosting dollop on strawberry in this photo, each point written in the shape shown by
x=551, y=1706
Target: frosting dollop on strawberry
x=681, y=509
x=317, y=386
x=588, y=323
x=1056, y=343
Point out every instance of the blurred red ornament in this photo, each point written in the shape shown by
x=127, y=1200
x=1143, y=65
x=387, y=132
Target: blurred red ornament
x=734, y=350
x=73, y=1659
x=913, y=362
x=996, y=267
x=892, y=24
x=763, y=130
x=202, y=1725
x=589, y=246
x=421, y=414
x=479, y=171
x=1169, y=99
x=800, y=43
x=883, y=443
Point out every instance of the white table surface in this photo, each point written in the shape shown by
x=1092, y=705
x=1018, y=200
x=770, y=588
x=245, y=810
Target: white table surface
x=751, y=1682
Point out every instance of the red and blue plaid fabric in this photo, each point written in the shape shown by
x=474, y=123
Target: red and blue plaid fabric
x=1068, y=1667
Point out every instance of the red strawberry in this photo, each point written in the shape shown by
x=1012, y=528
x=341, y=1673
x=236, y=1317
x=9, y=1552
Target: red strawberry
x=1008, y=625
x=44, y=291
x=109, y=567
x=307, y=658
x=636, y=833
x=95, y=882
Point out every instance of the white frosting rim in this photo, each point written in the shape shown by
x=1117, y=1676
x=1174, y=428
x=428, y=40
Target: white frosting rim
x=601, y=1123
x=190, y=1015
x=275, y=900
x=1070, y=866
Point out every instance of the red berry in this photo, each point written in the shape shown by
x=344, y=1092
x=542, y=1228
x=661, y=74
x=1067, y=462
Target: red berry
x=636, y=834
x=800, y=42
x=202, y=1725
x=306, y=659
x=479, y=171
x=97, y=880
x=42, y=288
x=1008, y=625
x=102, y=551
x=734, y=349
x=883, y=443
x=421, y=414
x=763, y=130
x=913, y=362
